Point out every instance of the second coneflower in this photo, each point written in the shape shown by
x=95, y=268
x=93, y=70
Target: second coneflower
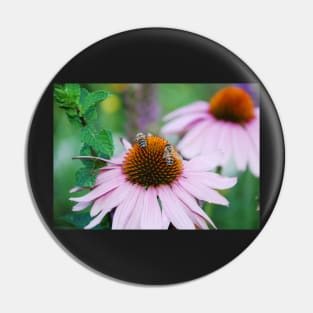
x=229, y=123
x=150, y=187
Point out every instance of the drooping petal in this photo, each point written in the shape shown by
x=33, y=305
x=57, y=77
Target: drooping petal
x=76, y=188
x=211, y=180
x=134, y=219
x=81, y=206
x=179, y=124
x=203, y=163
x=192, y=143
x=194, y=133
x=198, y=106
x=165, y=221
x=123, y=211
x=97, y=220
x=105, y=176
x=203, y=193
x=100, y=190
x=191, y=203
x=111, y=199
x=151, y=217
x=254, y=159
x=212, y=137
x=224, y=143
x=198, y=221
x=240, y=144
x=174, y=209
x=253, y=129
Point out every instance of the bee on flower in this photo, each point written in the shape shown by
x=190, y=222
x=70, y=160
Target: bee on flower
x=145, y=190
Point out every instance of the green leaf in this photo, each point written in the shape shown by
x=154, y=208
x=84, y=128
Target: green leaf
x=101, y=142
x=83, y=95
x=88, y=99
x=86, y=151
x=78, y=220
x=91, y=113
x=67, y=95
x=86, y=176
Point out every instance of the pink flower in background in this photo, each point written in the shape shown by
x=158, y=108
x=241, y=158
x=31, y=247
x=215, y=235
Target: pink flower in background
x=148, y=189
x=229, y=123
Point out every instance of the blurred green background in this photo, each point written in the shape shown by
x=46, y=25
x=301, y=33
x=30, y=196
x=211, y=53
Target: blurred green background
x=140, y=107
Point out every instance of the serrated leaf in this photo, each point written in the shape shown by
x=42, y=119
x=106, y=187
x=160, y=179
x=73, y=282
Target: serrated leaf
x=105, y=143
x=79, y=220
x=86, y=176
x=73, y=92
x=91, y=113
x=67, y=95
x=83, y=94
x=101, y=142
x=91, y=98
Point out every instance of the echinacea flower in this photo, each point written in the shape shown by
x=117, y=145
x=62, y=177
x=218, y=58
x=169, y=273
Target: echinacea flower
x=229, y=123
x=143, y=191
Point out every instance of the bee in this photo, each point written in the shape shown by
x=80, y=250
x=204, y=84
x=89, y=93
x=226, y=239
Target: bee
x=141, y=139
x=169, y=154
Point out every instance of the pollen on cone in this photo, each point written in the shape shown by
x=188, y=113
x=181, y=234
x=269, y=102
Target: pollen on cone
x=148, y=167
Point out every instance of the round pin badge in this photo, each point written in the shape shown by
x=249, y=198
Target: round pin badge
x=155, y=156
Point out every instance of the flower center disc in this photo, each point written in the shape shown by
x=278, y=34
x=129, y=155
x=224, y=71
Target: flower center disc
x=232, y=104
x=148, y=166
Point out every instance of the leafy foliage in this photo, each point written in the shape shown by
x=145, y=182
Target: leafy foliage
x=101, y=142
x=80, y=106
x=86, y=176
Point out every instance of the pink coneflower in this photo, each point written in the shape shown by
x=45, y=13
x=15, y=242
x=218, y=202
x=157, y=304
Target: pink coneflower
x=144, y=192
x=229, y=123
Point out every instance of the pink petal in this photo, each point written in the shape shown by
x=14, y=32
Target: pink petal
x=240, y=146
x=124, y=210
x=100, y=190
x=197, y=220
x=198, y=106
x=76, y=188
x=211, y=180
x=254, y=159
x=202, y=163
x=191, y=203
x=165, y=221
x=81, y=206
x=151, y=217
x=118, y=160
x=203, y=193
x=224, y=143
x=134, y=219
x=193, y=136
x=126, y=144
x=212, y=136
x=253, y=129
x=111, y=199
x=181, y=123
x=109, y=167
x=97, y=220
x=174, y=209
x=106, y=176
